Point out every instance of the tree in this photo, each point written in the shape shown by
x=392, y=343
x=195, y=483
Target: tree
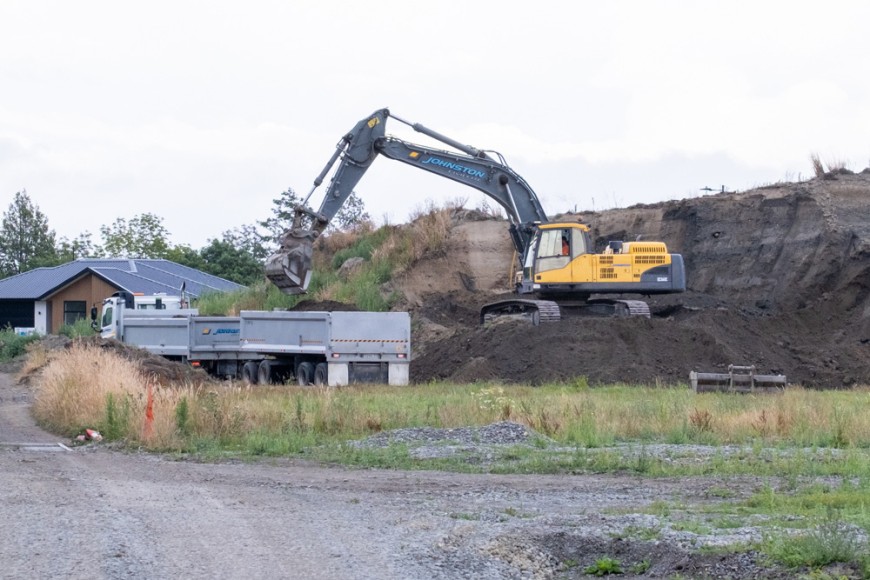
x=282, y=216
x=26, y=242
x=352, y=214
x=222, y=258
x=79, y=247
x=144, y=236
x=186, y=256
x=249, y=239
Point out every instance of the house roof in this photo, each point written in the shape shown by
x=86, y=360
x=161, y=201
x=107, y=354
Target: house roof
x=133, y=275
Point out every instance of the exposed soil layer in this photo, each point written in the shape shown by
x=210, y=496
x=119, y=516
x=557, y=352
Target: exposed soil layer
x=323, y=306
x=778, y=277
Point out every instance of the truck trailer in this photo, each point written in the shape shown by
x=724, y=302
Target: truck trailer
x=265, y=347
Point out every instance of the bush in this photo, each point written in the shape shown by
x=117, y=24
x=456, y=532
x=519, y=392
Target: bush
x=78, y=329
x=832, y=541
x=13, y=345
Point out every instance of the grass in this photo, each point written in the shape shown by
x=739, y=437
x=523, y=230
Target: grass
x=831, y=540
x=604, y=567
x=13, y=345
x=823, y=431
x=79, y=328
x=386, y=251
x=806, y=527
x=793, y=439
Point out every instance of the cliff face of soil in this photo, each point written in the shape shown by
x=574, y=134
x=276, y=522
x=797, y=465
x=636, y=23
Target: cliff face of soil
x=778, y=277
x=782, y=246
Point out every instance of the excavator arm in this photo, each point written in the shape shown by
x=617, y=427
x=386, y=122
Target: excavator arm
x=290, y=267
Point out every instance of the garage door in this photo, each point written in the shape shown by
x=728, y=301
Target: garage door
x=16, y=313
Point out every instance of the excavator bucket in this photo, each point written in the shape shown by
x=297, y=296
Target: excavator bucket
x=738, y=379
x=290, y=267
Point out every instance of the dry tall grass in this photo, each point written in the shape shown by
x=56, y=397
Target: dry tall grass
x=72, y=391
x=87, y=387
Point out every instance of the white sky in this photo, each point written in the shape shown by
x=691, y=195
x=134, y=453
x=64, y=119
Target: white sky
x=203, y=112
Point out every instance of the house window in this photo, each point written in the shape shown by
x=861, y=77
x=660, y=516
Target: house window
x=74, y=310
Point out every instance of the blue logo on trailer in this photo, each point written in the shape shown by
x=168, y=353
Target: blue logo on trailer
x=221, y=331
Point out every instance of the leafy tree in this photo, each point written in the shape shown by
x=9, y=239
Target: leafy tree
x=222, y=258
x=144, y=236
x=351, y=214
x=79, y=247
x=186, y=256
x=26, y=242
x=249, y=239
x=282, y=215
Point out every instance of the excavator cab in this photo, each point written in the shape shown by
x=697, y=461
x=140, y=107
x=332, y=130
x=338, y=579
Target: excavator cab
x=552, y=252
x=557, y=246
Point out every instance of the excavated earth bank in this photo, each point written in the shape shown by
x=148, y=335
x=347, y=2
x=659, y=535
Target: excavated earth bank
x=778, y=278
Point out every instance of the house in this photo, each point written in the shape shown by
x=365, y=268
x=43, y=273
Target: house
x=48, y=298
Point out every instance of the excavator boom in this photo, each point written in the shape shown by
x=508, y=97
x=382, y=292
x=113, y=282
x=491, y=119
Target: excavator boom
x=290, y=267
x=557, y=258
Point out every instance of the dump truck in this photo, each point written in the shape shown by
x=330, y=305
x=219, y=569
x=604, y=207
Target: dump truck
x=264, y=347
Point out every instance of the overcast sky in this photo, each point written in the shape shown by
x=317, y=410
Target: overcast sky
x=203, y=112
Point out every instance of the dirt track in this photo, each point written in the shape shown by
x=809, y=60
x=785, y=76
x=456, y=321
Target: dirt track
x=94, y=512
x=778, y=277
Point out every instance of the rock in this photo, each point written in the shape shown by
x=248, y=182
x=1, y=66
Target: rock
x=349, y=267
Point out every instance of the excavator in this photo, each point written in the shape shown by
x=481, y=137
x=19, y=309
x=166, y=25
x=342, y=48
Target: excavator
x=558, y=270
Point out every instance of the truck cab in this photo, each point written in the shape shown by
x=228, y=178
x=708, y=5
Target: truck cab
x=114, y=305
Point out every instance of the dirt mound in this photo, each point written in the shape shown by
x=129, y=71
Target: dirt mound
x=323, y=306
x=155, y=367
x=779, y=277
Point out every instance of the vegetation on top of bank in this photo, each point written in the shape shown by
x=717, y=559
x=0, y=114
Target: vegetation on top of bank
x=384, y=253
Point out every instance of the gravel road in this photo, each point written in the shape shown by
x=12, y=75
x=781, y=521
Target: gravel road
x=94, y=512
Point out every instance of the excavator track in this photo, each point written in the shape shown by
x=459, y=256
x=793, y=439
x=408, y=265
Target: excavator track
x=537, y=311
x=606, y=308
x=630, y=308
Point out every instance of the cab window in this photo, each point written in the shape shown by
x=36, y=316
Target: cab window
x=107, y=316
x=554, y=249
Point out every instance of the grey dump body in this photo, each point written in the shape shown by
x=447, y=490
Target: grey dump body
x=345, y=347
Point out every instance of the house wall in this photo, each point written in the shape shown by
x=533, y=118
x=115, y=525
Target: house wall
x=89, y=288
x=41, y=315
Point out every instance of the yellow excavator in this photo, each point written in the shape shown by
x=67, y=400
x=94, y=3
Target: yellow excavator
x=559, y=269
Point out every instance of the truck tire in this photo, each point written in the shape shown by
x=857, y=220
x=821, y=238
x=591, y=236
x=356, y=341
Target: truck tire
x=249, y=372
x=264, y=373
x=321, y=375
x=304, y=374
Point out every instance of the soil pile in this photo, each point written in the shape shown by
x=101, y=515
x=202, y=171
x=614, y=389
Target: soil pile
x=323, y=306
x=161, y=370
x=778, y=277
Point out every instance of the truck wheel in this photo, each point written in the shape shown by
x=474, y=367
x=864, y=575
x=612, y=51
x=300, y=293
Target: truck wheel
x=320, y=375
x=304, y=374
x=249, y=372
x=264, y=373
